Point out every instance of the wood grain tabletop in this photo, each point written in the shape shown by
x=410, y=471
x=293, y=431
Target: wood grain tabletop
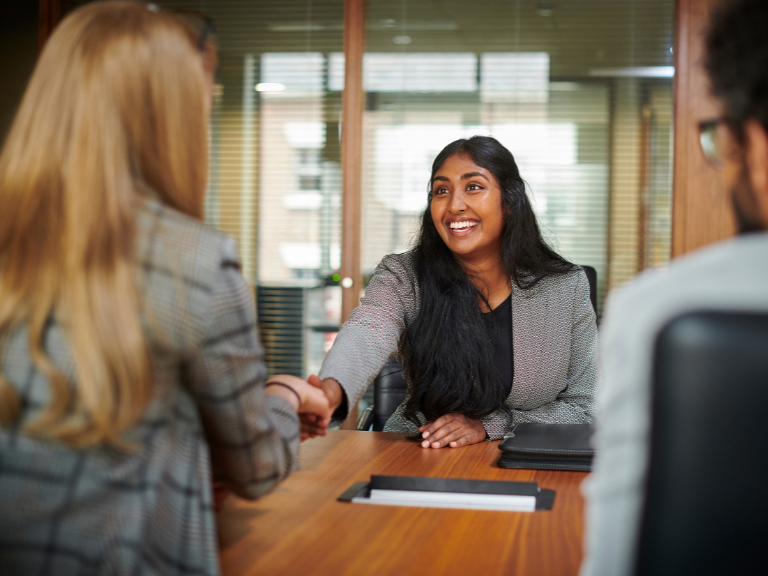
x=301, y=529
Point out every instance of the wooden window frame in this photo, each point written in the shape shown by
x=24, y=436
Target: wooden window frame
x=352, y=103
x=701, y=207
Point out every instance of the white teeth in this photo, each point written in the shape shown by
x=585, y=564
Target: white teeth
x=462, y=225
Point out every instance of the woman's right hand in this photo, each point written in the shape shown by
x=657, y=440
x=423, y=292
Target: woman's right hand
x=311, y=402
x=311, y=426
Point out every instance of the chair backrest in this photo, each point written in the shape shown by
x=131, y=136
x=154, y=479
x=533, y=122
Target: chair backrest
x=389, y=386
x=592, y=279
x=706, y=503
x=388, y=393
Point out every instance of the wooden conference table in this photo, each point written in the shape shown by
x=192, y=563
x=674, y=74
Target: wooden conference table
x=301, y=529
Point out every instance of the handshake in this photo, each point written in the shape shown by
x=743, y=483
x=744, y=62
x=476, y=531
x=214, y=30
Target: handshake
x=314, y=400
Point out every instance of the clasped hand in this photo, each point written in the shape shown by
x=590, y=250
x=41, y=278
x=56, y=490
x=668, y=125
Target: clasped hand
x=313, y=424
x=320, y=398
x=454, y=430
x=314, y=406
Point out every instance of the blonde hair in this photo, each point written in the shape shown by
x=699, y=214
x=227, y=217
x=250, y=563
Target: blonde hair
x=116, y=106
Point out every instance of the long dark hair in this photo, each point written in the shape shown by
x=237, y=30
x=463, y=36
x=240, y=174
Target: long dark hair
x=448, y=347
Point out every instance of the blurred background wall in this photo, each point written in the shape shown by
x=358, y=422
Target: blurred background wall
x=18, y=52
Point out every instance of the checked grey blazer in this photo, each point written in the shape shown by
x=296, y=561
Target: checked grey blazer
x=554, y=339
x=99, y=511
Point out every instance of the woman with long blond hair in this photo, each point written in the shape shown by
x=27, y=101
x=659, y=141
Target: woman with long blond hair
x=128, y=340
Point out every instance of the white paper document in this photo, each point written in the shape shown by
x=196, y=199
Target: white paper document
x=465, y=501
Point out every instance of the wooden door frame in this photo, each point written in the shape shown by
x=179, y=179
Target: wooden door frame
x=352, y=103
x=701, y=207
x=50, y=13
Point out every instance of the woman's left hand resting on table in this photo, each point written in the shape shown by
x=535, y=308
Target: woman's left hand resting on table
x=454, y=430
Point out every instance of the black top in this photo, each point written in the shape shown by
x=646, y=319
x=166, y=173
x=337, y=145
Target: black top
x=500, y=323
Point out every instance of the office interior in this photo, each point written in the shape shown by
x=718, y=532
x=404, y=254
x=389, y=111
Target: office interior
x=582, y=92
x=596, y=100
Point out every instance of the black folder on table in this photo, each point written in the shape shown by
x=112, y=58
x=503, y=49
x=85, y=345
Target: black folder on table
x=544, y=499
x=548, y=447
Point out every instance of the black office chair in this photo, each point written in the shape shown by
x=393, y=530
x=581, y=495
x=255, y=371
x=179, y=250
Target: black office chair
x=706, y=503
x=389, y=386
x=388, y=393
x=592, y=280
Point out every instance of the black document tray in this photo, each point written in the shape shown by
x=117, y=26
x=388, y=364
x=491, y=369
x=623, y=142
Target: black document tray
x=545, y=499
x=548, y=447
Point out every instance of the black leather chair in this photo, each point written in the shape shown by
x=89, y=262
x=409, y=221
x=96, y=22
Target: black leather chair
x=592, y=279
x=388, y=393
x=389, y=386
x=706, y=502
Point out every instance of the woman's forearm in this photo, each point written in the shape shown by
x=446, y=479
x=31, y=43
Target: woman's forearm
x=334, y=392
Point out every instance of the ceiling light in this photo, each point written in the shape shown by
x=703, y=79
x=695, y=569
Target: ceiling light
x=634, y=72
x=269, y=87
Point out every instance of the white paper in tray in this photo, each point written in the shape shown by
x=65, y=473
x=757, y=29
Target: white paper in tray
x=464, y=501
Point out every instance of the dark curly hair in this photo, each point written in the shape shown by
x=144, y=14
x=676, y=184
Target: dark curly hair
x=448, y=351
x=737, y=61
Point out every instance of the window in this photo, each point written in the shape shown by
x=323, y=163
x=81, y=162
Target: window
x=275, y=180
x=579, y=90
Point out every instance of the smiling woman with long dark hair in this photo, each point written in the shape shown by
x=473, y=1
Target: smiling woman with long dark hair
x=491, y=325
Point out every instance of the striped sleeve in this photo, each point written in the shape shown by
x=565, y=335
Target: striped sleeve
x=253, y=437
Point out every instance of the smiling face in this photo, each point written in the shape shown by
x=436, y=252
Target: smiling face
x=466, y=209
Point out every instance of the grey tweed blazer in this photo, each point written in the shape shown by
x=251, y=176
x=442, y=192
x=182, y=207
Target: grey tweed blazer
x=554, y=337
x=99, y=511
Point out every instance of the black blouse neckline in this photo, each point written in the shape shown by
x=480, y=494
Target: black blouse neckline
x=499, y=322
x=506, y=304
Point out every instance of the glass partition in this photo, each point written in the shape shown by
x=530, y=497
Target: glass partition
x=275, y=176
x=579, y=91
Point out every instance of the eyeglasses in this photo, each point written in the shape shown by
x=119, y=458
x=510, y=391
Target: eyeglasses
x=711, y=141
x=199, y=23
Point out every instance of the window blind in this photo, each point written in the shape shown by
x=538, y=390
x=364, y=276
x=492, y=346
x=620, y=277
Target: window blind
x=275, y=176
x=579, y=90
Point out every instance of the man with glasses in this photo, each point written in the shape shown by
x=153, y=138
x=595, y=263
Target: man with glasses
x=731, y=275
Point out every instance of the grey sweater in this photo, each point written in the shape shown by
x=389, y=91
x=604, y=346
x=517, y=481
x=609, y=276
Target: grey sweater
x=727, y=276
x=554, y=339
